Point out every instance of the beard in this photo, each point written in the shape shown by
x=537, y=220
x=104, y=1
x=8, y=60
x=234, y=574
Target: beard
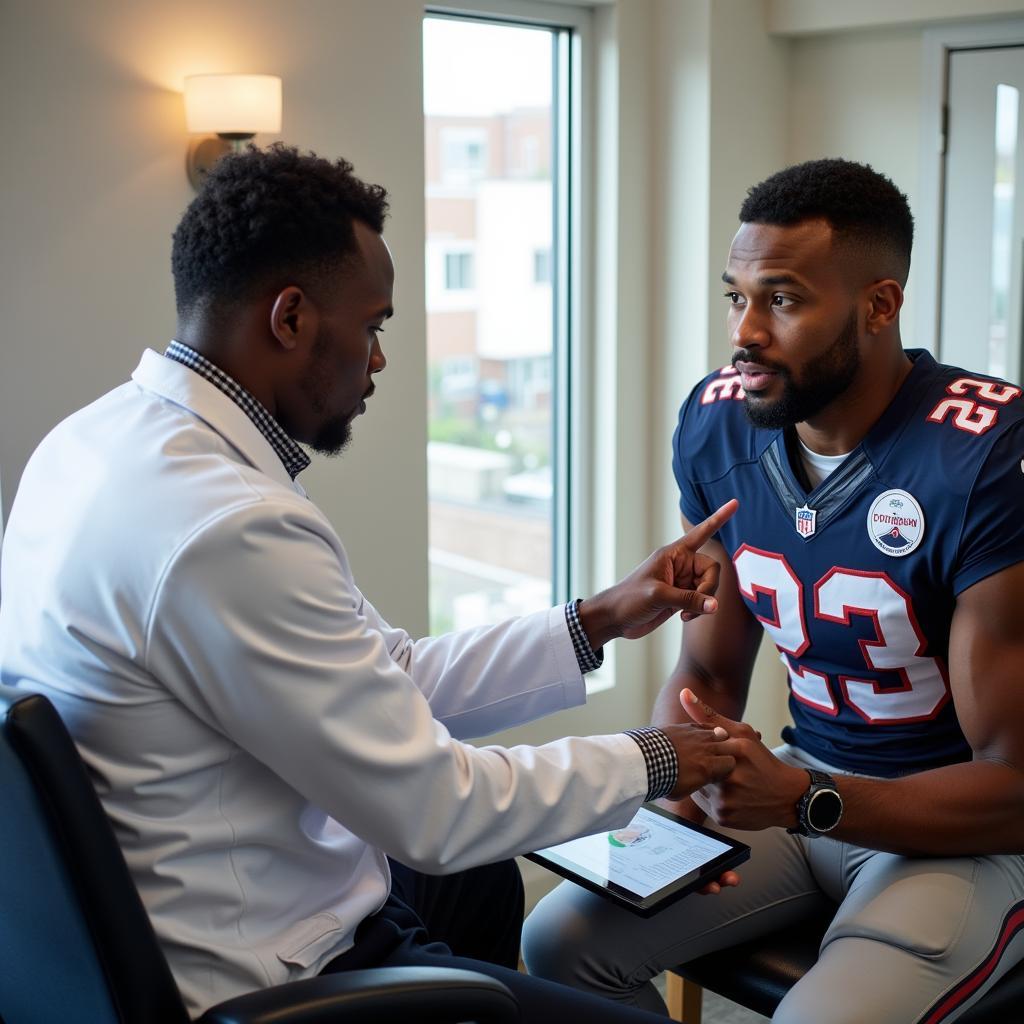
x=334, y=432
x=822, y=381
x=333, y=436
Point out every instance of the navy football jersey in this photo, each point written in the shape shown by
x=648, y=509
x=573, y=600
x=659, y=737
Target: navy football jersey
x=855, y=581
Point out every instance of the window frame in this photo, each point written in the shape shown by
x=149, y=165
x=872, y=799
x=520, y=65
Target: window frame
x=570, y=264
x=938, y=43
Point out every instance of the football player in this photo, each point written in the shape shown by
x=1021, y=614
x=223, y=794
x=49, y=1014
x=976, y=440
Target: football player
x=879, y=544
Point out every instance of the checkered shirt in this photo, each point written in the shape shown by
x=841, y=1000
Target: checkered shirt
x=660, y=755
x=294, y=459
x=588, y=658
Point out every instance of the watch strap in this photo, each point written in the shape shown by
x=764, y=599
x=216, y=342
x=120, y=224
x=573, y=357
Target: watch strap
x=820, y=778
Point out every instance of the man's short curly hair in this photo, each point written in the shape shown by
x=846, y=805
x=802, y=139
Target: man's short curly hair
x=863, y=207
x=269, y=218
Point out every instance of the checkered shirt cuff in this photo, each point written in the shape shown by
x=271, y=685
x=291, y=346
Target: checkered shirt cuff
x=660, y=755
x=587, y=658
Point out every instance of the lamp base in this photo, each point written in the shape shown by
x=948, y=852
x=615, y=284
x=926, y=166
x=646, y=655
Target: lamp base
x=203, y=153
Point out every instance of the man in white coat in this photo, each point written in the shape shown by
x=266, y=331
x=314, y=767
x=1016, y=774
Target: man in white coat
x=262, y=740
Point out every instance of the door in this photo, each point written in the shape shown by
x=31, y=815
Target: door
x=983, y=237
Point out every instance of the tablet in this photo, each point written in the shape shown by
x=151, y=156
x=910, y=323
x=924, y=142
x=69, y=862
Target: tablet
x=655, y=860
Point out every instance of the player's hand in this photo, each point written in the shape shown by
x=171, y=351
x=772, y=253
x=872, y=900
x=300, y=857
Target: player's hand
x=703, y=756
x=762, y=791
x=676, y=578
x=727, y=880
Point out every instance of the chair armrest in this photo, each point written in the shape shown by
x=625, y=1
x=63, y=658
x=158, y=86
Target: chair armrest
x=428, y=995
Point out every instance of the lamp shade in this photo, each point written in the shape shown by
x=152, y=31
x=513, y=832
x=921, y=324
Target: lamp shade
x=233, y=104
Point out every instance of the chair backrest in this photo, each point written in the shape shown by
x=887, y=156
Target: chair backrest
x=75, y=941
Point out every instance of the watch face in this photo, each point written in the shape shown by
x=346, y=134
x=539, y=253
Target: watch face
x=824, y=810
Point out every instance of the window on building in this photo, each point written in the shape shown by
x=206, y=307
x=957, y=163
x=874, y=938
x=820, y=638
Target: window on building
x=497, y=159
x=464, y=153
x=542, y=266
x=458, y=271
x=458, y=377
x=530, y=155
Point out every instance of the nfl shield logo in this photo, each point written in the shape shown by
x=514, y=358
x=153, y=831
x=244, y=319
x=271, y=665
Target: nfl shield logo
x=805, y=521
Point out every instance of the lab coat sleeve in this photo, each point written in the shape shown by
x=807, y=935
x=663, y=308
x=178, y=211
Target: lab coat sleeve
x=480, y=680
x=257, y=627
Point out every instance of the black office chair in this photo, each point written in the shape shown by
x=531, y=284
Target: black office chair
x=76, y=944
x=759, y=973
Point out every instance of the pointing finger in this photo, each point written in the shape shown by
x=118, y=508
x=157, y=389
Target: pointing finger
x=703, y=532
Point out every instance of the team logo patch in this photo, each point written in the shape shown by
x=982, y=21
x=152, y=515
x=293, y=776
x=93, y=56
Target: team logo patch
x=806, y=521
x=896, y=523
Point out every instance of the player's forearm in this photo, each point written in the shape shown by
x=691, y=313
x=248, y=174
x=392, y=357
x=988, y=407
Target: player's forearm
x=724, y=699
x=970, y=809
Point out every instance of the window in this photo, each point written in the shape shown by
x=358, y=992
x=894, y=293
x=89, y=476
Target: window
x=458, y=377
x=458, y=271
x=542, y=266
x=463, y=153
x=530, y=155
x=497, y=159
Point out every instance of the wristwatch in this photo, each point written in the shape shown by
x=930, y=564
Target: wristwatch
x=818, y=811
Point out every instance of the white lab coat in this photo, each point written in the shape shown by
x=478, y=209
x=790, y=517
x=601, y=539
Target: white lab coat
x=259, y=736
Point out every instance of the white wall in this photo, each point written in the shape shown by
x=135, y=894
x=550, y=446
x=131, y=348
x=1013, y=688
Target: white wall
x=858, y=95
x=800, y=16
x=94, y=183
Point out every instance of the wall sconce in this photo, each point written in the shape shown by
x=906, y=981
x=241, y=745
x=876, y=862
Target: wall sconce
x=234, y=108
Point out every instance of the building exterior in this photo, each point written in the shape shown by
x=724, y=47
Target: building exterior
x=490, y=332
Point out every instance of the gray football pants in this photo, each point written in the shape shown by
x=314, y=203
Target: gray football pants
x=914, y=939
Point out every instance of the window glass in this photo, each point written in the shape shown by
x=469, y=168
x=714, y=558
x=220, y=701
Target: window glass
x=1003, y=192
x=491, y=325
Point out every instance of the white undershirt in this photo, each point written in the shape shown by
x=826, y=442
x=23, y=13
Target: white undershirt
x=818, y=467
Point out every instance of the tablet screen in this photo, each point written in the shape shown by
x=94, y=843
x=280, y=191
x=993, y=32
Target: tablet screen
x=657, y=857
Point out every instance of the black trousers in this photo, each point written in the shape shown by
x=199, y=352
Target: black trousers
x=470, y=920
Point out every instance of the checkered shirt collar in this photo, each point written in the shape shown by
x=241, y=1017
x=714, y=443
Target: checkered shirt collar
x=294, y=459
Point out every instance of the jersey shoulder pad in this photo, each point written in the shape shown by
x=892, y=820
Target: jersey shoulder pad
x=970, y=406
x=714, y=432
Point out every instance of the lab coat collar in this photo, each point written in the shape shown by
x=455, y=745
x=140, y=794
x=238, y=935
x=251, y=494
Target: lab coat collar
x=177, y=383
